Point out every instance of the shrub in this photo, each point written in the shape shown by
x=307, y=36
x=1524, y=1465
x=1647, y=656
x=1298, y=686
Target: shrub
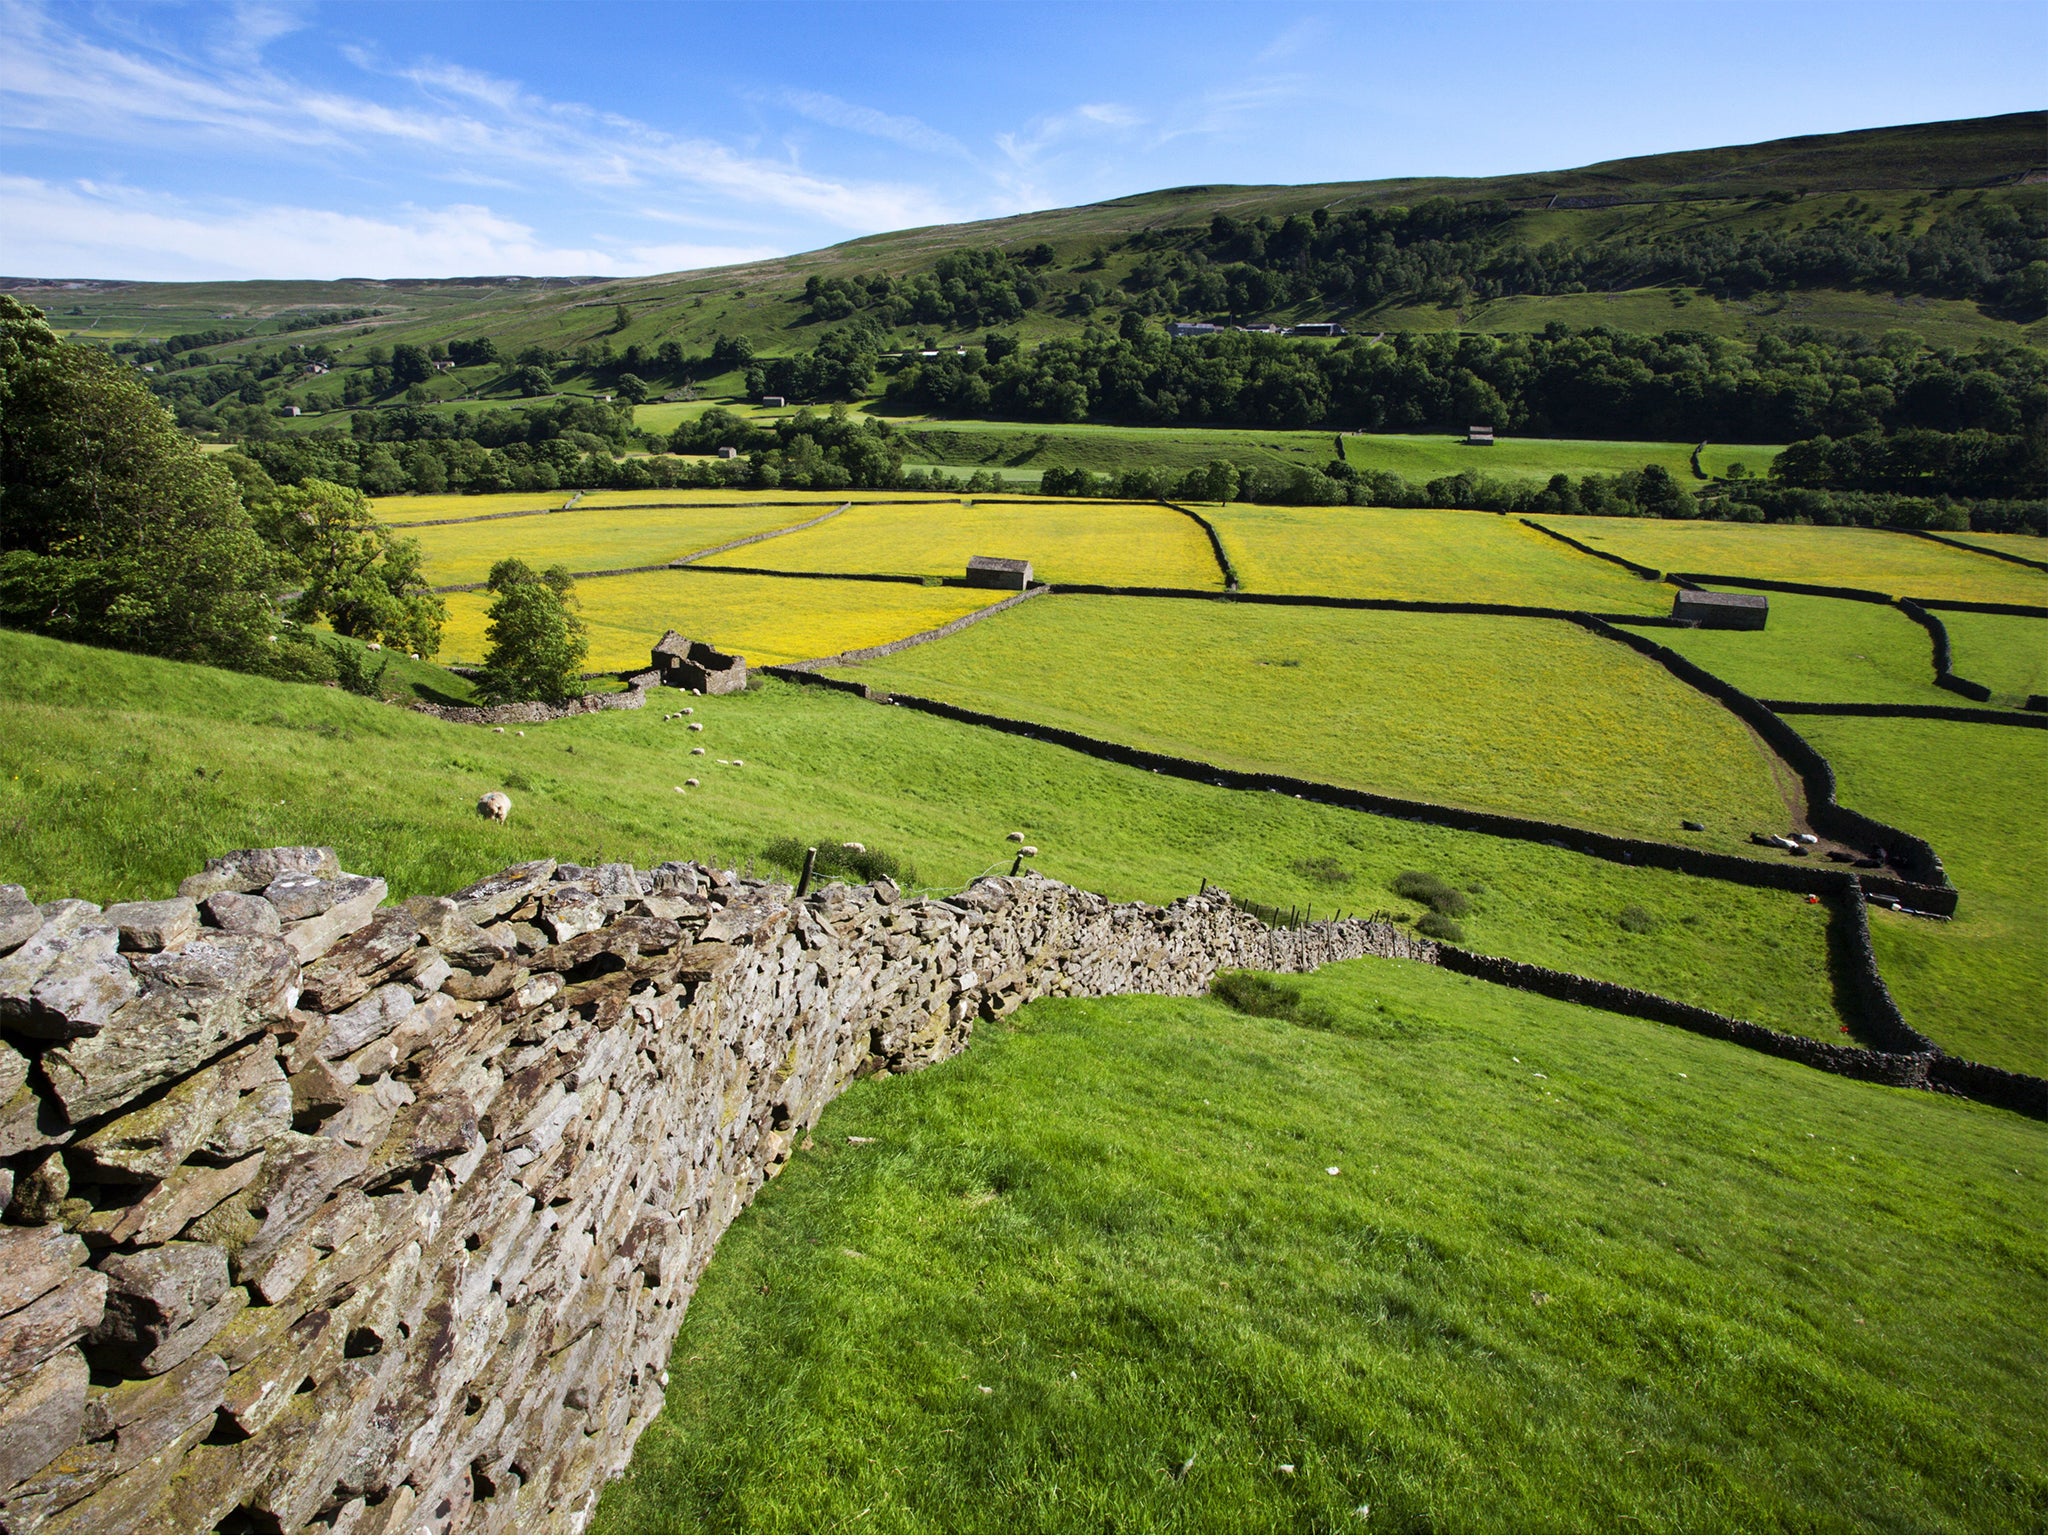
x=1436, y=926
x=1269, y=997
x=1442, y=898
x=1324, y=871
x=353, y=671
x=1637, y=918
x=866, y=865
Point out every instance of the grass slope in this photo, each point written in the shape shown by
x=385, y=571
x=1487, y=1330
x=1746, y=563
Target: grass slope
x=1979, y=793
x=1531, y=716
x=1468, y=1260
x=1871, y=558
x=1821, y=649
x=1102, y=542
x=763, y=618
x=119, y=775
x=1441, y=556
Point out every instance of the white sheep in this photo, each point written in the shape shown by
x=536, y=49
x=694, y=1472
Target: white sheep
x=696, y=751
x=696, y=725
x=496, y=806
x=1016, y=837
x=691, y=782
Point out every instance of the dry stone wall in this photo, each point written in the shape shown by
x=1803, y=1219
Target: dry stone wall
x=324, y=1213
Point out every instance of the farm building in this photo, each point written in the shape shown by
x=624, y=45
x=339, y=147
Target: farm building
x=771, y=400
x=994, y=571
x=1479, y=437
x=693, y=664
x=1192, y=328
x=1318, y=328
x=1722, y=610
x=728, y=453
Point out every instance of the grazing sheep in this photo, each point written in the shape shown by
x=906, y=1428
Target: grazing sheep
x=855, y=847
x=696, y=725
x=739, y=762
x=691, y=782
x=495, y=806
x=688, y=710
x=1016, y=837
x=696, y=751
x=1029, y=851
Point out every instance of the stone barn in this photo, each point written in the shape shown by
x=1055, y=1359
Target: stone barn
x=994, y=571
x=1722, y=610
x=693, y=664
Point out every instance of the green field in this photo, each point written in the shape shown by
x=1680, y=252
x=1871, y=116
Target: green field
x=420, y=509
x=1530, y=716
x=1440, y=556
x=591, y=539
x=101, y=759
x=1462, y=1260
x=2008, y=654
x=1098, y=542
x=1870, y=558
x=1418, y=457
x=1821, y=650
x=766, y=620
x=2027, y=546
x=1979, y=793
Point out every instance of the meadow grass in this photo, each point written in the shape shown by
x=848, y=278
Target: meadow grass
x=1416, y=456
x=1531, y=716
x=590, y=540
x=766, y=619
x=119, y=775
x=2006, y=653
x=1466, y=1259
x=1977, y=985
x=1443, y=556
x=1871, y=558
x=2028, y=546
x=824, y=500
x=414, y=509
x=1821, y=649
x=1105, y=542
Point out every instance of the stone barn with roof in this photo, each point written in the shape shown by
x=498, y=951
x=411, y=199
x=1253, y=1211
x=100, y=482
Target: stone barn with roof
x=994, y=571
x=1722, y=610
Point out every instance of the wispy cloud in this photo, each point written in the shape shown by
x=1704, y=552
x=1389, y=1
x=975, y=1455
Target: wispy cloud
x=854, y=118
x=89, y=230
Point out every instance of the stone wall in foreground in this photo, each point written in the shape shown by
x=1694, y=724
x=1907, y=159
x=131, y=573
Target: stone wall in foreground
x=323, y=1213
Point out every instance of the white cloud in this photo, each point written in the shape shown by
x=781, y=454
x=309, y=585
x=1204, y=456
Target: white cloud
x=85, y=230
x=835, y=113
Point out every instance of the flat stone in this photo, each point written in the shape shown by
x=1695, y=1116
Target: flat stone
x=33, y=1262
x=259, y=1115
x=301, y=896
x=568, y=911
x=188, y=1193
x=240, y=913
x=40, y=1412
x=55, y=1320
x=40, y=1192
x=160, y=1036
x=154, y=925
x=495, y=895
x=313, y=937
x=423, y=1134
x=359, y=962
x=357, y=1025
x=146, y=1144
x=299, y=1172
x=67, y=980
x=149, y=1414
x=19, y=918
x=488, y=987
x=251, y=869
x=251, y=966
x=154, y=1294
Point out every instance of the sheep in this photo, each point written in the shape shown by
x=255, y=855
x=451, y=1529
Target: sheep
x=855, y=847
x=696, y=725
x=696, y=751
x=1016, y=837
x=691, y=782
x=496, y=806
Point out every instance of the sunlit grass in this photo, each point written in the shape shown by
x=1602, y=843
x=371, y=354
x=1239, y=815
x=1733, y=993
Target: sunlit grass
x=594, y=539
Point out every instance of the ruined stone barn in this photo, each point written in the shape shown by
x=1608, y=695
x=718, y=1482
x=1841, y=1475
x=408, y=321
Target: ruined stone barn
x=997, y=572
x=1722, y=610
x=695, y=665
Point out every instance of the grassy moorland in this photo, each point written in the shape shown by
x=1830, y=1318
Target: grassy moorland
x=1820, y=649
x=594, y=539
x=763, y=618
x=1895, y=564
x=1979, y=793
x=1530, y=716
x=119, y=775
x=1440, y=556
x=1461, y=1259
x=1101, y=542
x=2006, y=653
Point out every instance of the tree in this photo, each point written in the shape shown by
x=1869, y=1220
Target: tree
x=731, y=352
x=532, y=379
x=632, y=388
x=114, y=528
x=536, y=643
x=473, y=354
x=357, y=574
x=621, y=317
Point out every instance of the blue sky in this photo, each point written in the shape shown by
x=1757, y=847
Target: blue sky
x=281, y=139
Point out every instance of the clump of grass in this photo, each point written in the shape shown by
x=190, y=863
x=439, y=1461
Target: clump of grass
x=1436, y=926
x=1637, y=918
x=864, y=864
x=1433, y=891
x=1269, y=997
x=1322, y=869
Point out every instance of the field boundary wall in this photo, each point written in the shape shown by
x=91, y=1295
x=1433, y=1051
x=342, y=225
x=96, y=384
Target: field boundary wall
x=1956, y=712
x=384, y=1218
x=922, y=637
x=1643, y=571
x=1965, y=605
x=756, y=538
x=1975, y=549
x=1230, y=578
x=533, y=712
